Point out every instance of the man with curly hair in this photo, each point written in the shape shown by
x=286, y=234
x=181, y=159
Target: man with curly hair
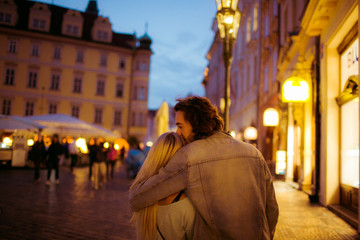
x=228, y=181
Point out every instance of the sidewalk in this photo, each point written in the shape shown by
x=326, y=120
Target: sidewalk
x=73, y=210
x=299, y=219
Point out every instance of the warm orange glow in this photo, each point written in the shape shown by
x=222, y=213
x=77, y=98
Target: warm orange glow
x=271, y=117
x=295, y=89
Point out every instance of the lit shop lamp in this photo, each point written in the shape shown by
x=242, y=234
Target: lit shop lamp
x=295, y=89
x=271, y=117
x=250, y=133
x=81, y=143
x=228, y=19
x=30, y=142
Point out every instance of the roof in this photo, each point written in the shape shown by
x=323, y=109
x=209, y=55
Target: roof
x=123, y=40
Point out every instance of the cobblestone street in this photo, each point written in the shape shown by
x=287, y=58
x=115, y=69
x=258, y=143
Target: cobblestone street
x=73, y=210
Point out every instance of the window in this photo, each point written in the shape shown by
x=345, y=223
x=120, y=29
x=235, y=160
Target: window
x=255, y=18
x=274, y=68
x=119, y=89
x=102, y=35
x=57, y=53
x=117, y=118
x=9, y=76
x=254, y=79
x=122, y=62
x=55, y=81
x=98, y=115
x=248, y=30
x=142, y=66
x=267, y=27
x=72, y=29
x=12, y=46
x=6, y=107
x=141, y=93
x=29, y=108
x=5, y=17
x=52, y=108
x=275, y=7
x=100, y=88
x=266, y=79
x=32, y=80
x=103, y=60
x=75, y=111
x=77, y=84
x=35, y=50
x=140, y=119
x=133, y=119
x=39, y=23
x=80, y=57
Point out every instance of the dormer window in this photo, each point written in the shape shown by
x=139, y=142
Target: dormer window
x=39, y=18
x=102, y=30
x=72, y=23
x=8, y=12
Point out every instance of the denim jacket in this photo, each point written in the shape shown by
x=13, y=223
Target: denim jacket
x=228, y=182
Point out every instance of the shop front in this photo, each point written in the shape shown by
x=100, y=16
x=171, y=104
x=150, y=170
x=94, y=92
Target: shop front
x=339, y=162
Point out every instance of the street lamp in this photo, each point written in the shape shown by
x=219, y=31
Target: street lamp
x=228, y=19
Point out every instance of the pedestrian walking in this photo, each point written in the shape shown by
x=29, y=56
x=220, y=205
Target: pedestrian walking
x=112, y=156
x=99, y=165
x=37, y=155
x=74, y=152
x=172, y=217
x=134, y=158
x=228, y=181
x=54, y=154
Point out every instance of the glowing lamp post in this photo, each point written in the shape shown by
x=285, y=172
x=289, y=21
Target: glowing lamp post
x=228, y=19
x=295, y=89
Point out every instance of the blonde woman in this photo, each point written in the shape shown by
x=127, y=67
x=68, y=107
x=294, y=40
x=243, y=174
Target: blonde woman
x=172, y=217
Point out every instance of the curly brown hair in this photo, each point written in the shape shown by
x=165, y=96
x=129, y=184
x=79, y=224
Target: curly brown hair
x=201, y=114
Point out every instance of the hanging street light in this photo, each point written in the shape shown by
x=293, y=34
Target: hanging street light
x=228, y=19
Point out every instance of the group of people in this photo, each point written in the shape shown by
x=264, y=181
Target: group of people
x=201, y=183
x=100, y=158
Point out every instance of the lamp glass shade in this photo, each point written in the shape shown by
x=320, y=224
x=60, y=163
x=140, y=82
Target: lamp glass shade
x=228, y=18
x=250, y=133
x=232, y=4
x=271, y=117
x=295, y=89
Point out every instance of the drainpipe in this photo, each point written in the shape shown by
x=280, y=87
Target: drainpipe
x=314, y=197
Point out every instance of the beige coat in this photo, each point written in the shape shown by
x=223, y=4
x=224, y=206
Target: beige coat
x=228, y=182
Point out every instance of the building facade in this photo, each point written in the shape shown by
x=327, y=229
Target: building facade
x=310, y=43
x=59, y=60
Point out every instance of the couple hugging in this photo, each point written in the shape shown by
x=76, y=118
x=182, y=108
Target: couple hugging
x=200, y=183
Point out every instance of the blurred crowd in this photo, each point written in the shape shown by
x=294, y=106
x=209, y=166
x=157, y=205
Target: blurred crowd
x=101, y=158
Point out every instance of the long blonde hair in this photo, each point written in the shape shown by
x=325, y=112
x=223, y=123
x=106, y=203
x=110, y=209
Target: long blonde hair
x=160, y=153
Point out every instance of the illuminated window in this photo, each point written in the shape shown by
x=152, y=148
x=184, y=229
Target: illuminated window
x=255, y=18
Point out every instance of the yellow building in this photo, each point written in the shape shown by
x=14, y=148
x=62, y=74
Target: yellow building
x=59, y=60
